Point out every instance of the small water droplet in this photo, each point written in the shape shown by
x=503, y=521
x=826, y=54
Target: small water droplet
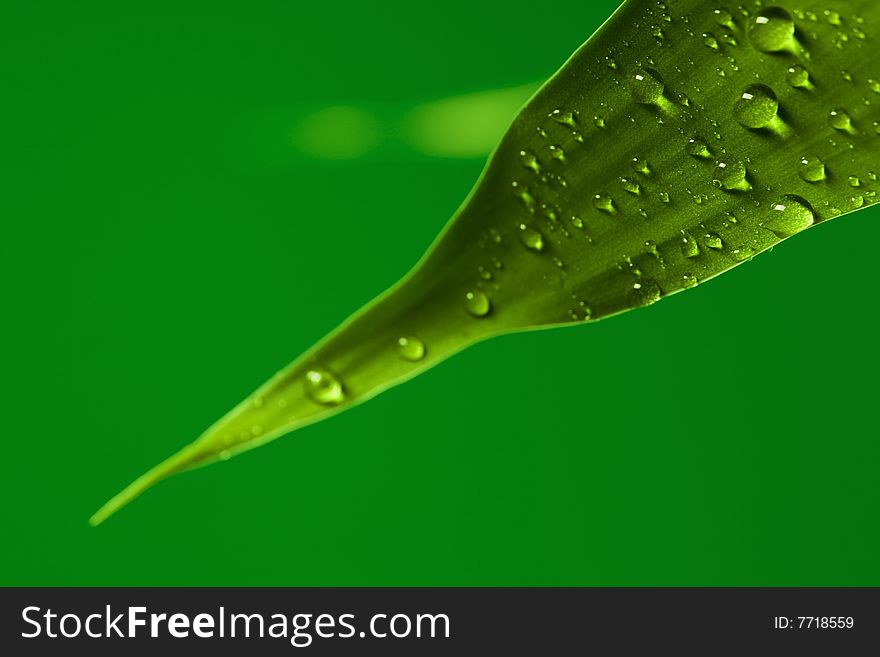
x=833, y=17
x=710, y=41
x=644, y=292
x=664, y=196
x=854, y=181
x=323, y=386
x=839, y=119
x=724, y=17
x=789, y=215
x=689, y=280
x=689, y=246
x=713, y=241
x=742, y=253
x=531, y=239
x=604, y=203
x=811, y=169
x=631, y=186
x=771, y=30
x=530, y=161
x=732, y=176
x=698, y=148
x=798, y=76
x=410, y=348
x=565, y=117
x=641, y=166
x=557, y=153
x=576, y=221
x=477, y=303
x=756, y=106
x=646, y=86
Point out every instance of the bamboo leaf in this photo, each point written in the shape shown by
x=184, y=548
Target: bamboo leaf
x=680, y=141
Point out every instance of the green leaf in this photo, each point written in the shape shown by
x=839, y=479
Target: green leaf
x=680, y=141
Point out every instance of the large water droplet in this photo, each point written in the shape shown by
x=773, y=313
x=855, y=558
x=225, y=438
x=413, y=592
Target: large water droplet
x=646, y=86
x=771, y=30
x=477, y=303
x=410, y=348
x=756, y=106
x=323, y=386
x=789, y=215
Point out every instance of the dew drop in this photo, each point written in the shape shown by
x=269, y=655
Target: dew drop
x=631, y=186
x=798, y=76
x=854, y=181
x=565, y=117
x=530, y=161
x=576, y=221
x=689, y=246
x=742, y=253
x=410, y=348
x=811, y=169
x=771, y=29
x=641, y=166
x=756, y=107
x=689, y=280
x=531, y=239
x=698, y=148
x=724, y=17
x=646, y=86
x=713, y=241
x=732, y=176
x=839, y=119
x=644, y=292
x=477, y=303
x=710, y=41
x=789, y=215
x=557, y=153
x=323, y=386
x=833, y=17
x=604, y=203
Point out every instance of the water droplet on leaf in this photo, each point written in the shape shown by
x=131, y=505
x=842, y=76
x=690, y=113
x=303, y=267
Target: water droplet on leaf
x=323, y=386
x=410, y=348
x=477, y=303
x=756, y=106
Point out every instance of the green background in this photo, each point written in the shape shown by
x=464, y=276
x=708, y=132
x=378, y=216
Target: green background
x=162, y=255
